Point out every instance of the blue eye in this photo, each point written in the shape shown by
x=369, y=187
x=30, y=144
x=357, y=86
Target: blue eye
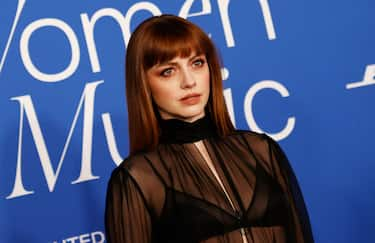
x=198, y=63
x=166, y=72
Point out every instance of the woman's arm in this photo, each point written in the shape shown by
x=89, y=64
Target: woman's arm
x=284, y=174
x=127, y=219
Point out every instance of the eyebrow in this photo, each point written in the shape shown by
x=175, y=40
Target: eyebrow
x=175, y=63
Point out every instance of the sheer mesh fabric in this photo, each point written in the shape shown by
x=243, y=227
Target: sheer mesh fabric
x=171, y=195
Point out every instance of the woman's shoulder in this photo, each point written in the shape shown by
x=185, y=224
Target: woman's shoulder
x=137, y=166
x=132, y=162
x=260, y=146
x=253, y=138
x=138, y=170
x=249, y=133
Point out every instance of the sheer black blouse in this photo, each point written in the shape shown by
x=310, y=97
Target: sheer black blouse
x=171, y=195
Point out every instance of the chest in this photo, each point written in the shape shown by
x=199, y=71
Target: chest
x=217, y=191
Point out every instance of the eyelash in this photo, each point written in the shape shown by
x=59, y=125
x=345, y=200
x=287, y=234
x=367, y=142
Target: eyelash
x=200, y=60
x=163, y=72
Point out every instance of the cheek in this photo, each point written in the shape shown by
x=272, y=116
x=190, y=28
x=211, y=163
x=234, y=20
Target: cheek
x=206, y=83
x=161, y=93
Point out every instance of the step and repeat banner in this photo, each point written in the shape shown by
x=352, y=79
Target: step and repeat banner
x=300, y=71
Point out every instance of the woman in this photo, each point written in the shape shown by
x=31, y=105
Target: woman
x=190, y=176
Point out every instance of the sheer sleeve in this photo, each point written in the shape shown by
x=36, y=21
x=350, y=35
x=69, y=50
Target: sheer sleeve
x=127, y=219
x=300, y=225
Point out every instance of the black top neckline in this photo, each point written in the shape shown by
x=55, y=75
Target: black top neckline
x=178, y=131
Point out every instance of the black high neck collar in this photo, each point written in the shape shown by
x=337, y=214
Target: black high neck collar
x=178, y=131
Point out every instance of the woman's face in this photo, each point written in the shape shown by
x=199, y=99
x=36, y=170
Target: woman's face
x=180, y=87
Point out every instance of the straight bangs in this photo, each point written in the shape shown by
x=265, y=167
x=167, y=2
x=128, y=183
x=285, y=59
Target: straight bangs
x=167, y=42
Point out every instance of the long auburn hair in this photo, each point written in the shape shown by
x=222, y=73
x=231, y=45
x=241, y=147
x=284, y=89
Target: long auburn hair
x=157, y=40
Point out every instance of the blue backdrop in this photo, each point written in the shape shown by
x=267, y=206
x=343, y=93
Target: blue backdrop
x=301, y=71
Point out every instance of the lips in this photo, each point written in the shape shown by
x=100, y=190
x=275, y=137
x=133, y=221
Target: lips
x=191, y=99
x=190, y=96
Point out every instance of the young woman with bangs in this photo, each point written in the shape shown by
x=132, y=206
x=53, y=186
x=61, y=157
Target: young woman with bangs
x=191, y=176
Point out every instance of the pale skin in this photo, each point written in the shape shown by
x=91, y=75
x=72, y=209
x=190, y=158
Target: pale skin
x=180, y=87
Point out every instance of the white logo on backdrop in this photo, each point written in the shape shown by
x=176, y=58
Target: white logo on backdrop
x=86, y=103
x=124, y=23
x=27, y=107
x=20, y=5
x=368, y=78
x=248, y=107
x=268, y=19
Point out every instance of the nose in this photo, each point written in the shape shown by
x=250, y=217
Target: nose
x=187, y=79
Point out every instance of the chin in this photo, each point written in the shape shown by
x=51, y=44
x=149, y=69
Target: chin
x=187, y=113
x=193, y=115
